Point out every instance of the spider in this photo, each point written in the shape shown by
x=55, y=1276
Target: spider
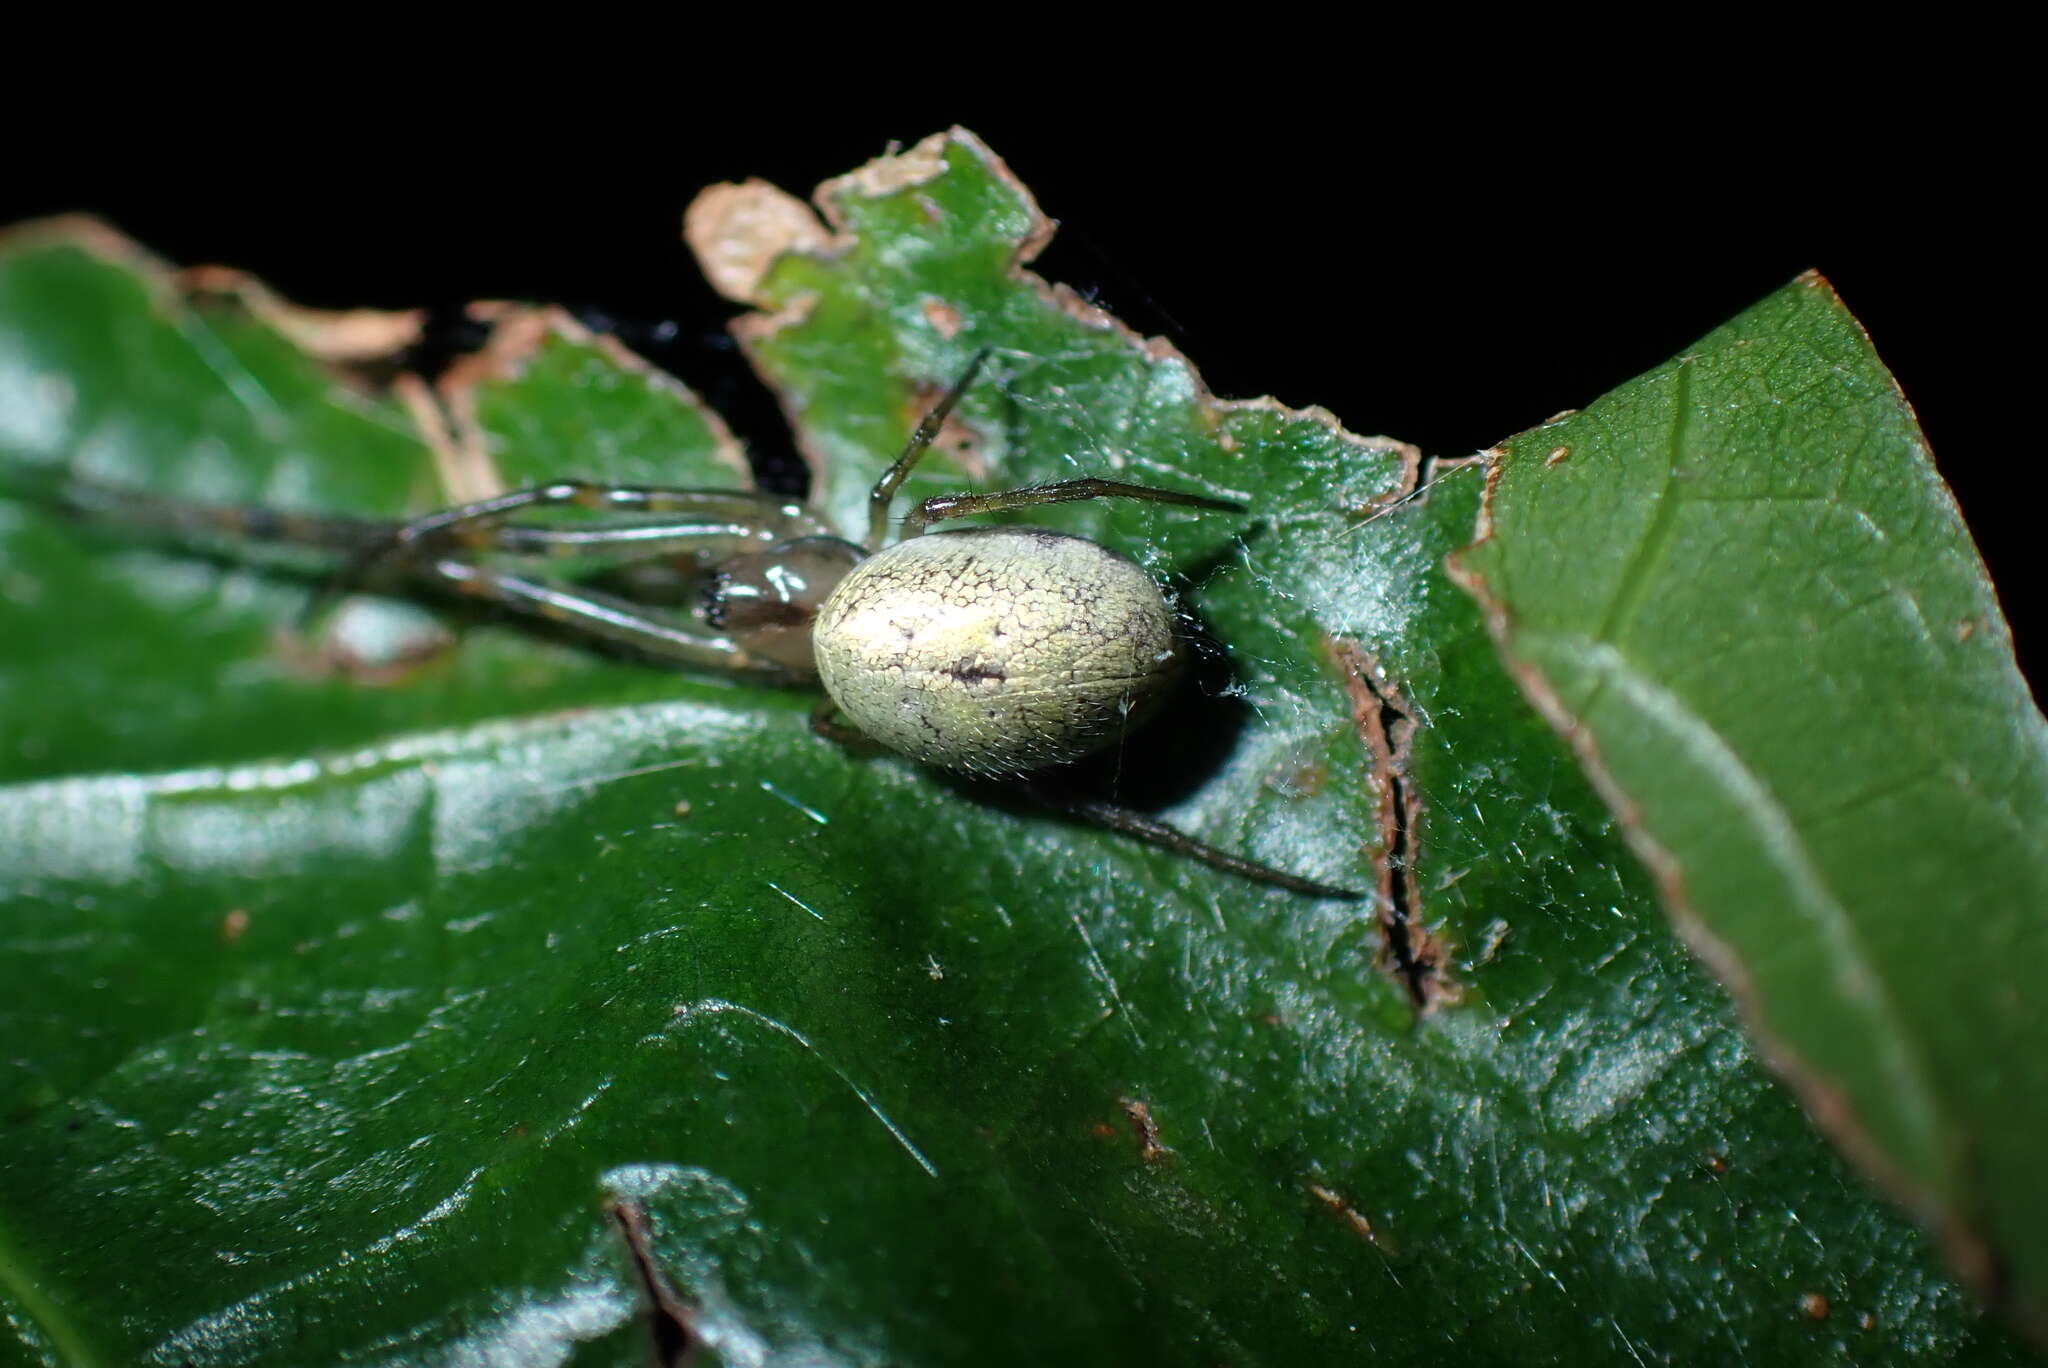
x=995, y=652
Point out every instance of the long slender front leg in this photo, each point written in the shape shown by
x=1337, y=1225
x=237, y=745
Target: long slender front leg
x=601, y=616
x=631, y=541
x=884, y=492
x=1066, y=491
x=716, y=514
x=1129, y=822
x=205, y=524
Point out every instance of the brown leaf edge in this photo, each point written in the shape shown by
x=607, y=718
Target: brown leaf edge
x=367, y=350
x=738, y=231
x=358, y=347
x=1969, y=1251
x=517, y=333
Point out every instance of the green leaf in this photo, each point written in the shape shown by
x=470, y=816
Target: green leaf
x=1739, y=586
x=347, y=1009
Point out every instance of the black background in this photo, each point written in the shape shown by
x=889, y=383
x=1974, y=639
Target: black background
x=1446, y=271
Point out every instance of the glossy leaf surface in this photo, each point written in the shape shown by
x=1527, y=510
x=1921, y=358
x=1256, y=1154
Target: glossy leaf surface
x=1739, y=583
x=343, y=1011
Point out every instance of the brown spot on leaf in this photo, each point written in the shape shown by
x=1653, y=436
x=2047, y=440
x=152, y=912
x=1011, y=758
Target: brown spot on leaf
x=234, y=925
x=1557, y=456
x=1147, y=1130
x=1815, y=1305
x=1345, y=1212
x=944, y=318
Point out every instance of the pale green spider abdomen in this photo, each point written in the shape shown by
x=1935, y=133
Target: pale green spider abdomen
x=995, y=650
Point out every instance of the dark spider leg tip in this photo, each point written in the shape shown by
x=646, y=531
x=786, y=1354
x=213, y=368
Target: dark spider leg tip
x=1155, y=833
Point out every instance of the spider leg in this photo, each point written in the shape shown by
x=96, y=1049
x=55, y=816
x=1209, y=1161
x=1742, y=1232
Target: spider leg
x=638, y=541
x=826, y=721
x=1066, y=491
x=201, y=525
x=716, y=516
x=884, y=492
x=1112, y=817
x=600, y=616
x=1129, y=822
